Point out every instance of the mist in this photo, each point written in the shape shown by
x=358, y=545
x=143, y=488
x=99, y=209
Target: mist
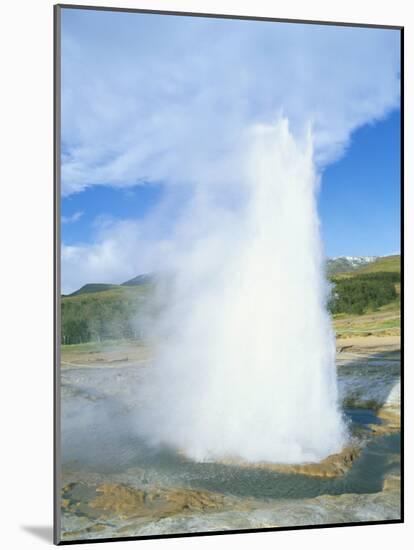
x=245, y=351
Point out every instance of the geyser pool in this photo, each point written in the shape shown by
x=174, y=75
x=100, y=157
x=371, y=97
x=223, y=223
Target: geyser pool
x=245, y=364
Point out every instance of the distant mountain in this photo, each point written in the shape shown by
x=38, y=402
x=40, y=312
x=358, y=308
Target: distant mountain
x=139, y=280
x=343, y=264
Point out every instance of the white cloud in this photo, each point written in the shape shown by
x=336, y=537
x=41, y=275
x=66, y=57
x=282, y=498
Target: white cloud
x=155, y=98
x=172, y=100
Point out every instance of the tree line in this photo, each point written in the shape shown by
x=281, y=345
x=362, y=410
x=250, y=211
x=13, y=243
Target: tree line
x=122, y=315
x=94, y=319
x=363, y=292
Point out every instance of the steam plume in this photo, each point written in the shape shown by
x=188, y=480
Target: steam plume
x=245, y=363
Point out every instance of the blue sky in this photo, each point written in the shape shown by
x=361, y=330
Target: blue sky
x=83, y=212
x=359, y=203
x=153, y=105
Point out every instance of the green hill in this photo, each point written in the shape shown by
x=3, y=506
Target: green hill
x=385, y=264
x=139, y=280
x=114, y=312
x=92, y=287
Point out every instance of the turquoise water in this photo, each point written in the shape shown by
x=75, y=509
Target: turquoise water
x=365, y=476
x=167, y=468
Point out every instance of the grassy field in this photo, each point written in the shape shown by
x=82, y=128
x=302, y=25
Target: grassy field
x=108, y=353
x=384, y=322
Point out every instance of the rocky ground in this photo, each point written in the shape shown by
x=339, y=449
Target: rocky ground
x=93, y=508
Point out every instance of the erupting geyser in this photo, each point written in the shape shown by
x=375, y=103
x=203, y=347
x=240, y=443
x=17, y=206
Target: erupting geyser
x=246, y=353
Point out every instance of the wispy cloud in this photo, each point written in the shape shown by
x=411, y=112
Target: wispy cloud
x=109, y=259
x=72, y=218
x=120, y=250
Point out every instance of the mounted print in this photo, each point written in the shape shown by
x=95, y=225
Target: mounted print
x=228, y=274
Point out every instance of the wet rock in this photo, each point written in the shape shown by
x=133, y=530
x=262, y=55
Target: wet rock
x=334, y=465
x=116, y=500
x=389, y=413
x=392, y=483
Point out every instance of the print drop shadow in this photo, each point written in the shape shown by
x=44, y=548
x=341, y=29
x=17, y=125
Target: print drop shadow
x=42, y=532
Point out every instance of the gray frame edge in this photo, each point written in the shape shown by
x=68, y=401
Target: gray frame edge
x=56, y=272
